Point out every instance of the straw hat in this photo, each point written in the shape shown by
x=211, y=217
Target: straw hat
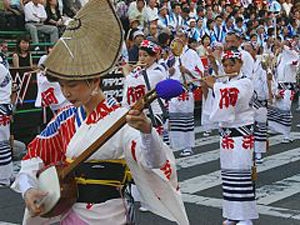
x=90, y=46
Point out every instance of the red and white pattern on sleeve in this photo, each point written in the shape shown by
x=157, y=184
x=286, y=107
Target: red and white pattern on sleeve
x=52, y=143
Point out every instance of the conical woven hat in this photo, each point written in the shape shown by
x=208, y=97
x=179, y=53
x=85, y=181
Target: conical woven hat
x=90, y=45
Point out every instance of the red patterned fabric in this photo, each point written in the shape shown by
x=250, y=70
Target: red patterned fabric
x=151, y=46
x=232, y=55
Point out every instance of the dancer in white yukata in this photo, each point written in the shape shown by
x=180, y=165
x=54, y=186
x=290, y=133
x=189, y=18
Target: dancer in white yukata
x=262, y=77
x=187, y=67
x=6, y=165
x=280, y=116
x=49, y=93
x=143, y=79
x=236, y=120
x=137, y=83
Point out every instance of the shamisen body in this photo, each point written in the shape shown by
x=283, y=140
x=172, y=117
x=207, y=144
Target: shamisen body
x=101, y=178
x=232, y=110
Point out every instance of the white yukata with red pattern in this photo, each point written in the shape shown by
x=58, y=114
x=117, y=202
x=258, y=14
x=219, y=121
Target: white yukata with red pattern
x=236, y=119
x=151, y=162
x=6, y=165
x=182, y=135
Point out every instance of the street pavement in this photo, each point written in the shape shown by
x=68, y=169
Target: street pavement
x=277, y=187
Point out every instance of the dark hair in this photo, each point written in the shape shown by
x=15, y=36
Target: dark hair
x=239, y=19
x=151, y=53
x=208, y=23
x=262, y=13
x=252, y=35
x=261, y=21
x=22, y=38
x=55, y=79
x=205, y=36
x=48, y=5
x=270, y=31
x=175, y=4
x=218, y=17
x=233, y=60
x=192, y=40
x=163, y=38
x=51, y=78
x=228, y=5
x=186, y=10
x=199, y=9
x=131, y=32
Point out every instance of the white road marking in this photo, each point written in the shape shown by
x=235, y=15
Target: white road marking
x=6, y=223
x=213, y=179
x=268, y=194
x=204, y=141
x=262, y=209
x=212, y=155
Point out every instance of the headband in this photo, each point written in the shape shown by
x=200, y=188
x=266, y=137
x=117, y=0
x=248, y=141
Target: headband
x=149, y=46
x=232, y=55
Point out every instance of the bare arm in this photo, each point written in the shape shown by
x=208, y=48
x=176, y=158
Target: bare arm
x=16, y=60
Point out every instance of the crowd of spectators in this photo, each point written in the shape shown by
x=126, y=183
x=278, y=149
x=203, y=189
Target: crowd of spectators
x=261, y=21
x=255, y=20
x=48, y=17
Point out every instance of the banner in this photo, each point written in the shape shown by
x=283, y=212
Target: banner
x=112, y=84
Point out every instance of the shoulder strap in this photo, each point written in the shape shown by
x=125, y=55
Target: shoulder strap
x=158, y=99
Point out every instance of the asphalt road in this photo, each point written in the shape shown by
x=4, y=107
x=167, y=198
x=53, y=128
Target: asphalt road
x=277, y=187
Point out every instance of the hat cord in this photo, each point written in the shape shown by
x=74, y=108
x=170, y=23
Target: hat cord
x=65, y=44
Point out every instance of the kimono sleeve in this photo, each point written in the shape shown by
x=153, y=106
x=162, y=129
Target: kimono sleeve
x=158, y=187
x=194, y=64
x=51, y=144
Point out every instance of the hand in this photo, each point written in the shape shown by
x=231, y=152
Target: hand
x=183, y=69
x=127, y=68
x=139, y=121
x=59, y=23
x=210, y=81
x=278, y=97
x=15, y=87
x=32, y=197
x=269, y=76
x=210, y=55
x=34, y=67
x=172, y=71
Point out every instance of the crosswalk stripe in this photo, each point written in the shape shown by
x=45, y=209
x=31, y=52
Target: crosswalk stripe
x=267, y=194
x=204, y=141
x=6, y=223
x=212, y=155
x=279, y=190
x=213, y=179
x=262, y=209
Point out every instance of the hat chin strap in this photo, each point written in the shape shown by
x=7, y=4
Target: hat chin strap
x=93, y=92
